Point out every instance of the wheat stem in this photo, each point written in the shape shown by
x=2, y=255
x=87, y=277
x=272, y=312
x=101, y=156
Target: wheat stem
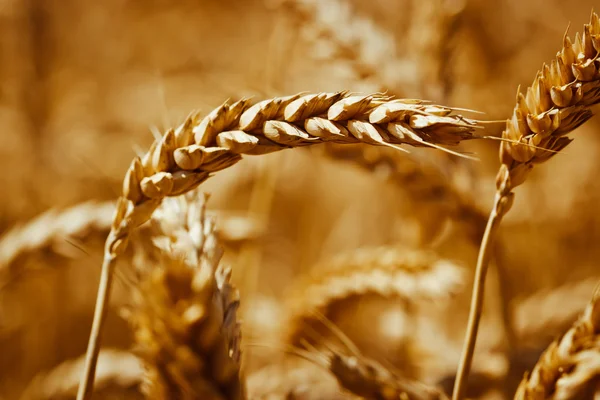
x=477, y=296
x=106, y=278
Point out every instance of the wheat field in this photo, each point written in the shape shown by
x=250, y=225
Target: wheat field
x=373, y=226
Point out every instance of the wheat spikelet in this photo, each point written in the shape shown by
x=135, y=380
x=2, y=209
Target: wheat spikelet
x=115, y=368
x=570, y=366
x=558, y=102
x=184, y=313
x=384, y=271
x=185, y=157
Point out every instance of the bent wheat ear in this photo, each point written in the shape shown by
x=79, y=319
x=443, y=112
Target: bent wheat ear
x=162, y=174
x=570, y=366
x=184, y=312
x=558, y=102
x=383, y=271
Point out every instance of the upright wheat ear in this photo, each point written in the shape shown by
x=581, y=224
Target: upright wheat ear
x=184, y=313
x=570, y=366
x=558, y=102
x=185, y=157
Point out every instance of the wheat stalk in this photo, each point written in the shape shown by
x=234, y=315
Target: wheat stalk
x=558, y=102
x=184, y=312
x=115, y=368
x=571, y=364
x=185, y=157
x=384, y=271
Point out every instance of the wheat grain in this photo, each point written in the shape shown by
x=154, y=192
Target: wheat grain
x=384, y=271
x=115, y=368
x=184, y=313
x=185, y=157
x=571, y=364
x=558, y=102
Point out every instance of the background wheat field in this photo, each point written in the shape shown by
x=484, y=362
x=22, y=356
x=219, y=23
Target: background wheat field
x=335, y=250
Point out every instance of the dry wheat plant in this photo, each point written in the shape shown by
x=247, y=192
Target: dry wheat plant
x=352, y=265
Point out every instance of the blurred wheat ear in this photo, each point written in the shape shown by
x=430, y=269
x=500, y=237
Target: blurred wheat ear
x=570, y=366
x=390, y=272
x=185, y=157
x=184, y=312
x=558, y=102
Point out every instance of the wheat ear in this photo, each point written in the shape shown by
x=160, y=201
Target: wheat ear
x=184, y=310
x=49, y=231
x=115, y=368
x=558, y=102
x=384, y=271
x=185, y=157
x=570, y=364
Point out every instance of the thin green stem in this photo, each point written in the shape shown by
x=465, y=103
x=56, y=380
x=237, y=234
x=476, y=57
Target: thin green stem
x=86, y=385
x=477, y=296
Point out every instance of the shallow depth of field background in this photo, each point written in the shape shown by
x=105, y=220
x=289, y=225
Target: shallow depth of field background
x=83, y=84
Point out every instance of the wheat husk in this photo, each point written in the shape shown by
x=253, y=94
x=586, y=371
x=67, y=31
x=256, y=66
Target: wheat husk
x=184, y=312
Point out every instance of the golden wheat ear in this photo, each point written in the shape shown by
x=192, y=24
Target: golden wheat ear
x=570, y=366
